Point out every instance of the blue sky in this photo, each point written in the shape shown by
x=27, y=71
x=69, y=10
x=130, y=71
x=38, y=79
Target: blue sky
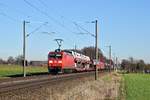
x=124, y=24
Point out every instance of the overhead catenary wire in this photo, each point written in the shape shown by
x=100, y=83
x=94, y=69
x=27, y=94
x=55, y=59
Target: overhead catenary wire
x=8, y=17
x=42, y=3
x=36, y=29
x=53, y=10
x=5, y=6
x=48, y=16
x=79, y=27
x=51, y=18
x=39, y=10
x=15, y=20
x=13, y=9
x=45, y=6
x=84, y=29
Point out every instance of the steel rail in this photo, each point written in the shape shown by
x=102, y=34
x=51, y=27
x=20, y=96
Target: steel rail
x=36, y=83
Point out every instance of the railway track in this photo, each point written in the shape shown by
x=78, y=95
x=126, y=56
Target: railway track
x=36, y=82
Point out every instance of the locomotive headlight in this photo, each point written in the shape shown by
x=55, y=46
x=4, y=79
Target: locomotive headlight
x=50, y=61
x=60, y=61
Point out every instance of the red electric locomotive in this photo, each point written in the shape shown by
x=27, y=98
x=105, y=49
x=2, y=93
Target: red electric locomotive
x=58, y=61
x=62, y=61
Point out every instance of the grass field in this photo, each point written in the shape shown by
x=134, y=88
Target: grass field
x=137, y=86
x=8, y=70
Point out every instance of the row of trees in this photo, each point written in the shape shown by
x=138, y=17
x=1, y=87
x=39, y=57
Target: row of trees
x=12, y=60
x=132, y=65
x=88, y=51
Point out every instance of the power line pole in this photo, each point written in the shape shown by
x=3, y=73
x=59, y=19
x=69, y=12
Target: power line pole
x=75, y=47
x=96, y=48
x=24, y=48
x=110, y=57
x=116, y=63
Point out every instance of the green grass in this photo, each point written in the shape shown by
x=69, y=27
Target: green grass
x=137, y=86
x=7, y=70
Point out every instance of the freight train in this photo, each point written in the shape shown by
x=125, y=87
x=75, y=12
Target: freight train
x=62, y=61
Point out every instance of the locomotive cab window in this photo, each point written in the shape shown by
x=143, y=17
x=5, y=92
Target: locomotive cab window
x=59, y=56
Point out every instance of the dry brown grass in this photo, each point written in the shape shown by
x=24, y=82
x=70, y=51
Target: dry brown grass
x=105, y=88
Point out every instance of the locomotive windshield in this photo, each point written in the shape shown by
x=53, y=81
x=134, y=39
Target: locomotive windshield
x=55, y=56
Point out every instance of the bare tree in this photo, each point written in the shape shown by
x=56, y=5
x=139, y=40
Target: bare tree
x=1, y=61
x=132, y=65
x=10, y=60
x=90, y=51
x=19, y=59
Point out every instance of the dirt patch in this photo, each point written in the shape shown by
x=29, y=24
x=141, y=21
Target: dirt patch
x=106, y=87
